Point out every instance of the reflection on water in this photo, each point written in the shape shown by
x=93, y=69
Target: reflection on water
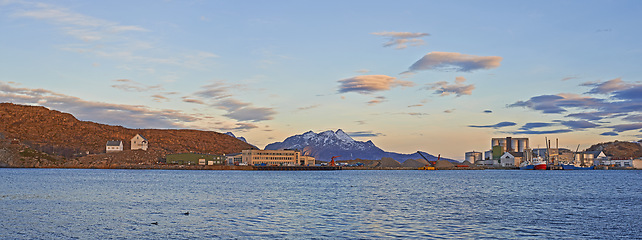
x=66, y=203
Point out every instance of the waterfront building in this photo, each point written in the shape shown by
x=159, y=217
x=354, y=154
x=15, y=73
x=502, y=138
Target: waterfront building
x=195, y=159
x=511, y=159
x=234, y=158
x=276, y=158
x=139, y=142
x=114, y=146
x=618, y=162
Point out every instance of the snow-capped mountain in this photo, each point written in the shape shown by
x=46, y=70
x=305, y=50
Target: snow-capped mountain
x=324, y=145
x=239, y=138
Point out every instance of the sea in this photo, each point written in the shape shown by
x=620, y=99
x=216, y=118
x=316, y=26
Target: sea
x=347, y=204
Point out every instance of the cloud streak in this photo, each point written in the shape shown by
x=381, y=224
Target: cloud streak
x=104, y=38
x=401, y=40
x=133, y=86
x=452, y=61
x=367, y=84
x=359, y=134
x=459, y=89
x=495, y=126
x=218, y=95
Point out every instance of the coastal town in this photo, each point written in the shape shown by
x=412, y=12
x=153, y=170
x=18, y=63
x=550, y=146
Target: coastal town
x=37, y=137
x=504, y=153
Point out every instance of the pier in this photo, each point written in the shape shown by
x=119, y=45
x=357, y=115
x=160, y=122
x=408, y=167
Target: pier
x=296, y=168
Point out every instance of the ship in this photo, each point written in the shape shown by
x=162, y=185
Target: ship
x=576, y=167
x=536, y=164
x=539, y=164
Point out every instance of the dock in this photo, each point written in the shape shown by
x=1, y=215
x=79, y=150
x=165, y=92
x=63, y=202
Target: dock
x=296, y=168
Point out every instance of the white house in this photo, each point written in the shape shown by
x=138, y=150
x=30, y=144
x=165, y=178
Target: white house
x=139, y=142
x=511, y=159
x=114, y=146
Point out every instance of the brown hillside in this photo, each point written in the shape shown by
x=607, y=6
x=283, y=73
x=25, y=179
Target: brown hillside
x=62, y=134
x=619, y=150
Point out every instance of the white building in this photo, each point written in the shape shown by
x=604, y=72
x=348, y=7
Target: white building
x=139, y=142
x=114, y=146
x=511, y=159
x=276, y=158
x=618, y=162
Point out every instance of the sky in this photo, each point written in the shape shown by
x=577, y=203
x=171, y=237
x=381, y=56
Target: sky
x=443, y=77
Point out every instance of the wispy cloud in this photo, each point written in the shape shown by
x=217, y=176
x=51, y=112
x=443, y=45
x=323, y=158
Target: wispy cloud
x=104, y=38
x=190, y=100
x=360, y=134
x=401, y=40
x=535, y=132
x=626, y=127
x=417, y=114
x=308, y=107
x=579, y=125
x=239, y=126
x=569, y=78
x=377, y=100
x=452, y=61
x=559, y=103
x=133, y=86
x=609, y=134
x=253, y=114
x=529, y=126
x=159, y=98
x=367, y=84
x=218, y=94
x=608, y=86
x=81, y=26
x=496, y=126
x=458, y=88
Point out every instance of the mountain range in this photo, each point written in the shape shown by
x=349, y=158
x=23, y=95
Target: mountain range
x=323, y=146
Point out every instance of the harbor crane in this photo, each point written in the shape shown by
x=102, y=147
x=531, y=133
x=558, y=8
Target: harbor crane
x=430, y=165
x=332, y=163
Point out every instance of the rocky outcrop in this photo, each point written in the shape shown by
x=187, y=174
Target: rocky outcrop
x=619, y=150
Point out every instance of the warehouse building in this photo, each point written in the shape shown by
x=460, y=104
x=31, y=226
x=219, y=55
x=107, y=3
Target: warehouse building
x=276, y=158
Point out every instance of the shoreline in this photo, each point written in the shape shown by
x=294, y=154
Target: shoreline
x=275, y=168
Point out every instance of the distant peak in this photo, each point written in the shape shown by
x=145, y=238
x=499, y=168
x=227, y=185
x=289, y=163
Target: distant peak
x=343, y=136
x=230, y=134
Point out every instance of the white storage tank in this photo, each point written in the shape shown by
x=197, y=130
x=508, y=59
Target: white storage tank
x=473, y=156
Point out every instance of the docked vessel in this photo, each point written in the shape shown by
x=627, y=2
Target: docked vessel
x=539, y=164
x=535, y=164
x=574, y=167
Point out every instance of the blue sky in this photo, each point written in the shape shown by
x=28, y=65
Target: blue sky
x=438, y=76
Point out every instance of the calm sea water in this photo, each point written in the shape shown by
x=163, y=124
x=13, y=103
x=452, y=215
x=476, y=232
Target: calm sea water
x=101, y=204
